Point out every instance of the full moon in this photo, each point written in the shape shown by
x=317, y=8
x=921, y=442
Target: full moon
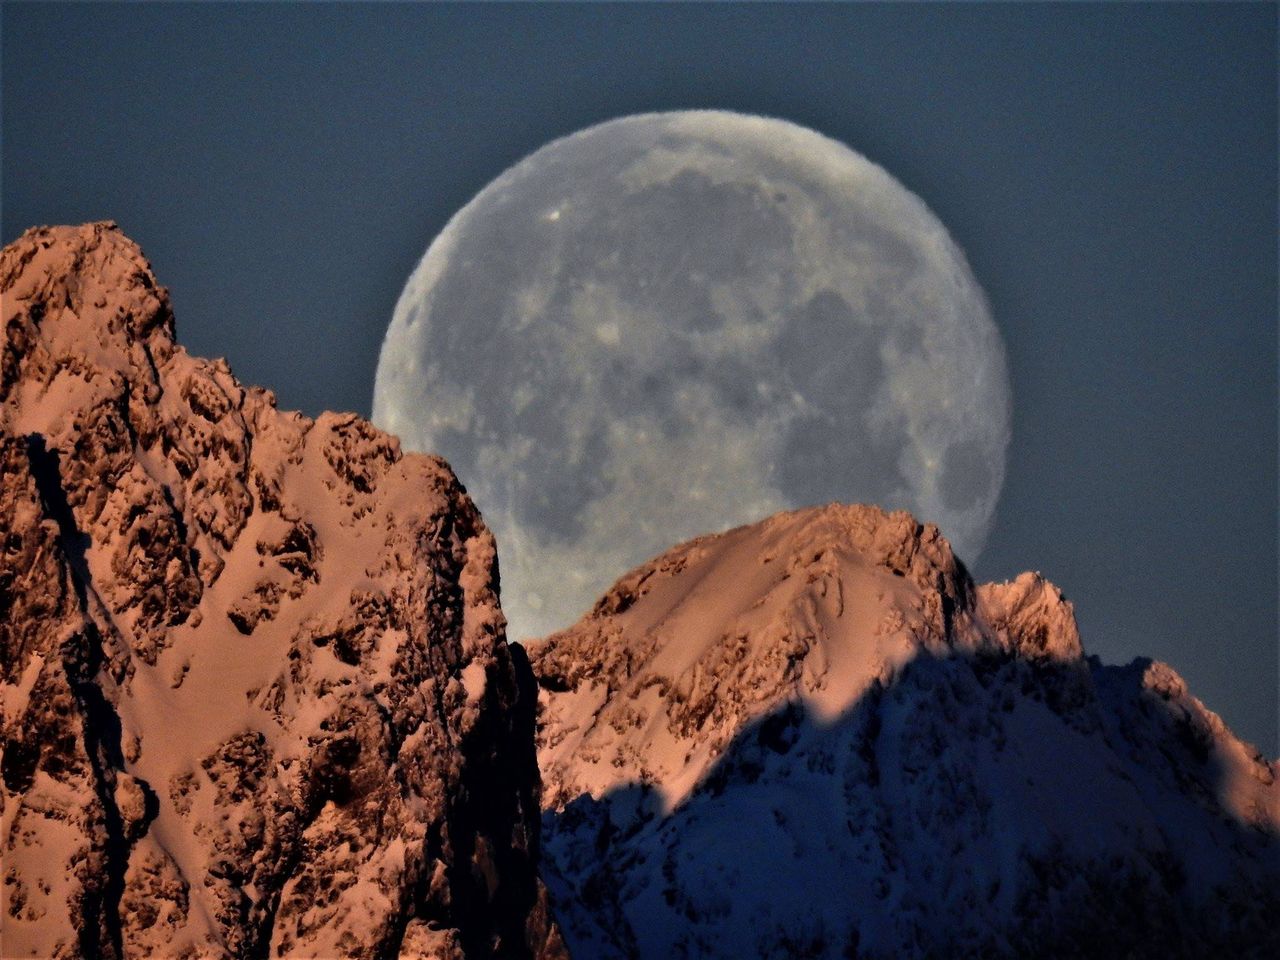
x=674, y=323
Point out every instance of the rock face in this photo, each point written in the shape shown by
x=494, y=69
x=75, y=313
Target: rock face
x=816, y=737
x=257, y=700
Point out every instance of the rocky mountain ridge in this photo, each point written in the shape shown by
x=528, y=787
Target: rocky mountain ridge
x=816, y=736
x=257, y=699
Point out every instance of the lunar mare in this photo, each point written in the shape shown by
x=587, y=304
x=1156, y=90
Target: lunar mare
x=674, y=323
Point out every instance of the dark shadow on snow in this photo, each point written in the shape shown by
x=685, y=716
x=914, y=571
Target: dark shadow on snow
x=925, y=781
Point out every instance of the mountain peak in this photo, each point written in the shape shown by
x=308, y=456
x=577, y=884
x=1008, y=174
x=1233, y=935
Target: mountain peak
x=256, y=694
x=93, y=286
x=813, y=606
x=1030, y=617
x=824, y=701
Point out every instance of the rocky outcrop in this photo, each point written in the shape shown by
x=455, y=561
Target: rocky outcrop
x=256, y=694
x=816, y=737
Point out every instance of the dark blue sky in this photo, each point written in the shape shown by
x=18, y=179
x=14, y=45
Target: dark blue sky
x=1110, y=172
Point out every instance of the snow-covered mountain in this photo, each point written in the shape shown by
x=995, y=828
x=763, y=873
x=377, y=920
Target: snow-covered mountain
x=816, y=737
x=256, y=694
x=255, y=700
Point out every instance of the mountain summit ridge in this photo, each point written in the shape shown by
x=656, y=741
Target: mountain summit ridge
x=816, y=736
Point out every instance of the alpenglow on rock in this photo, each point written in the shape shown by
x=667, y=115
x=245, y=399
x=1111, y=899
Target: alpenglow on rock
x=257, y=699
x=816, y=737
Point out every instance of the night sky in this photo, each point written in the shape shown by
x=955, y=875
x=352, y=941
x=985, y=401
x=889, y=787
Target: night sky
x=1110, y=172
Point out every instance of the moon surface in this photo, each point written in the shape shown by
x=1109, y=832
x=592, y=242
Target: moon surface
x=674, y=323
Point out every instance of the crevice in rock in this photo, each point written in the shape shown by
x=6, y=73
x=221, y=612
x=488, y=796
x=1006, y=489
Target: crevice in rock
x=101, y=935
x=500, y=788
x=75, y=544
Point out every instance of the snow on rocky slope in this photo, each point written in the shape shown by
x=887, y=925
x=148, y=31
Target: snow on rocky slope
x=815, y=736
x=256, y=695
